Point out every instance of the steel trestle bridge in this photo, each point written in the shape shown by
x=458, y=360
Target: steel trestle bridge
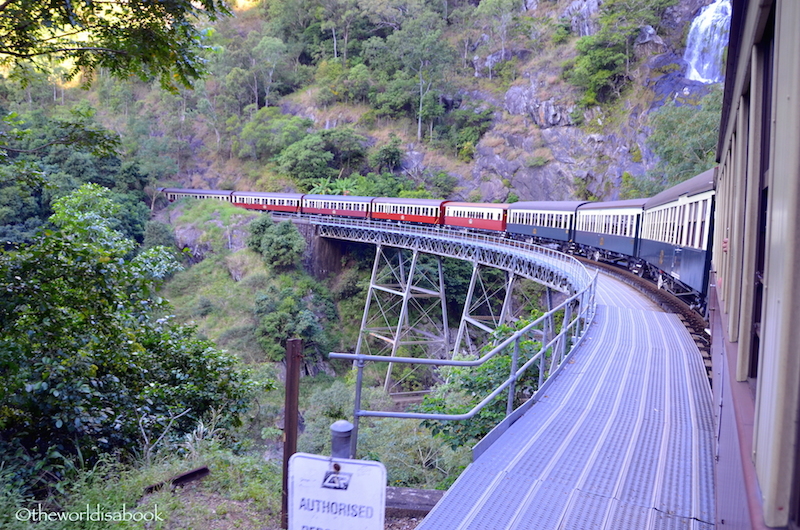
x=619, y=433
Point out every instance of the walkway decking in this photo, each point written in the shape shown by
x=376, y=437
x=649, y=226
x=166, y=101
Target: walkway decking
x=622, y=440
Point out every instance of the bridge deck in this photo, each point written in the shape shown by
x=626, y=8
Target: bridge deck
x=622, y=440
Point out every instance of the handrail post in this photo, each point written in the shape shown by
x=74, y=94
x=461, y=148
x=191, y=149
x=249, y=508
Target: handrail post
x=513, y=377
x=565, y=327
x=357, y=408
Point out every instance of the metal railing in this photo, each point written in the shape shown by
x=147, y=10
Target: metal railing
x=570, y=275
x=549, y=267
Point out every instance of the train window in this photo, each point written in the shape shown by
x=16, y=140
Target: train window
x=702, y=231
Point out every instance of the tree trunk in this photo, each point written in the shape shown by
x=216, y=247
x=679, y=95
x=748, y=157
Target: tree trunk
x=419, y=115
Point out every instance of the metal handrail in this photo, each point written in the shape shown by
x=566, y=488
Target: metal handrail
x=573, y=327
x=578, y=276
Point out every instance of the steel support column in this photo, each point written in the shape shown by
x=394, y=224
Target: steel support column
x=405, y=306
x=480, y=307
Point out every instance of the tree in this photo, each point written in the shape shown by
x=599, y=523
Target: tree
x=294, y=306
x=136, y=37
x=341, y=15
x=603, y=63
x=468, y=386
x=500, y=14
x=420, y=47
x=391, y=13
x=685, y=137
x=88, y=366
x=281, y=245
x=269, y=132
x=270, y=52
x=306, y=160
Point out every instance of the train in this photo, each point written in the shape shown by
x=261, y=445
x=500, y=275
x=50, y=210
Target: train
x=666, y=237
x=754, y=298
x=752, y=214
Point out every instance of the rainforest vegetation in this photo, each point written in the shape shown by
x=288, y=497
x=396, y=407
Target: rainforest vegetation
x=108, y=387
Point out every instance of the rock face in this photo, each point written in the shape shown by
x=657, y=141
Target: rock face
x=581, y=16
x=542, y=149
x=523, y=100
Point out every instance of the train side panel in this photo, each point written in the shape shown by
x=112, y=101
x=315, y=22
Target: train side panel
x=426, y=211
x=270, y=202
x=687, y=265
x=341, y=205
x=480, y=216
x=554, y=220
x=610, y=226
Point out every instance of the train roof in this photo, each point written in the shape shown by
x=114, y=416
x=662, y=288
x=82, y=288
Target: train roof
x=283, y=195
x=196, y=192
x=346, y=198
x=417, y=202
x=610, y=205
x=480, y=204
x=699, y=184
x=556, y=206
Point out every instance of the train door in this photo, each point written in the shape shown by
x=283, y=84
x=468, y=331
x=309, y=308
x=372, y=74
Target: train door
x=763, y=198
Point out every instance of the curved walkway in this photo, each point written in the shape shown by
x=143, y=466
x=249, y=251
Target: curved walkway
x=622, y=440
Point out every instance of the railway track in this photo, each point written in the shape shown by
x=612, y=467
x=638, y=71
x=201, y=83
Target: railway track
x=695, y=324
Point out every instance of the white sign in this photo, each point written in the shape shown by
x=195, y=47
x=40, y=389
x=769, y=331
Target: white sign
x=335, y=493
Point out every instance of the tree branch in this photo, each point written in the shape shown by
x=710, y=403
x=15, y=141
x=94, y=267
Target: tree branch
x=63, y=139
x=6, y=51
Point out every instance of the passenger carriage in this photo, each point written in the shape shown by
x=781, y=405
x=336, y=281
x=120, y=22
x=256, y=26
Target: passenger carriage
x=271, y=202
x=610, y=229
x=676, y=231
x=173, y=194
x=477, y=215
x=341, y=205
x=427, y=211
x=550, y=220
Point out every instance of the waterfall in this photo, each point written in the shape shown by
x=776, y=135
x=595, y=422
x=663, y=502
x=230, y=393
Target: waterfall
x=705, y=46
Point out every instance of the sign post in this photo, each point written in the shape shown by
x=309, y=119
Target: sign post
x=328, y=493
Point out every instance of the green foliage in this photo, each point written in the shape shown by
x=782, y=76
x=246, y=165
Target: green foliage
x=412, y=455
x=269, y=132
x=685, y=137
x=633, y=187
x=501, y=17
x=89, y=368
x=636, y=153
x=281, y=245
x=139, y=38
x=420, y=49
x=43, y=157
x=462, y=128
x=294, y=306
x=246, y=481
x=330, y=153
x=387, y=157
x=468, y=386
x=507, y=71
x=158, y=234
x=257, y=230
x=562, y=31
x=536, y=161
x=604, y=58
x=599, y=68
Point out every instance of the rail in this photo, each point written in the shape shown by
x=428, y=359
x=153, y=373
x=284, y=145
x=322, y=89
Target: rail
x=547, y=266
